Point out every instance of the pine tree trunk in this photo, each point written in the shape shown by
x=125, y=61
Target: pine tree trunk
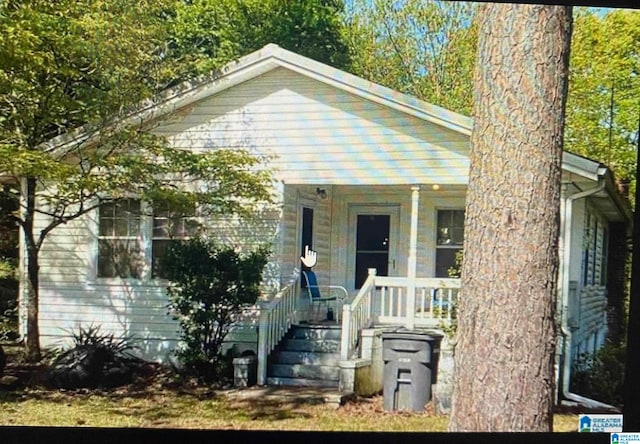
x=504, y=377
x=631, y=390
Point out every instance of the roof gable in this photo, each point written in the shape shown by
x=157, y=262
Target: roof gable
x=272, y=58
x=267, y=59
x=316, y=133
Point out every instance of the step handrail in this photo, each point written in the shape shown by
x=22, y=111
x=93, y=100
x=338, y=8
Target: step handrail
x=356, y=316
x=276, y=317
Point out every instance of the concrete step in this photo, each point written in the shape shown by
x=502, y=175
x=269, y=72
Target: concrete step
x=301, y=357
x=301, y=382
x=297, y=395
x=311, y=345
x=308, y=356
x=304, y=371
x=315, y=332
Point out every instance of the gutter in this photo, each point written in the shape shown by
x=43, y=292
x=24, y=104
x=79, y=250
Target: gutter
x=567, y=209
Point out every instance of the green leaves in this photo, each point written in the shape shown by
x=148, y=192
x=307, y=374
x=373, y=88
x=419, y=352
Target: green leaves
x=428, y=49
x=206, y=34
x=210, y=286
x=66, y=63
x=604, y=85
x=423, y=48
x=69, y=64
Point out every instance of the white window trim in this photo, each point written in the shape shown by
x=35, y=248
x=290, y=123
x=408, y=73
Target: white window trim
x=145, y=240
x=435, y=232
x=593, y=271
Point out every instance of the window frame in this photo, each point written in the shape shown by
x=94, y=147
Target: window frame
x=144, y=239
x=171, y=237
x=133, y=235
x=440, y=246
x=595, y=246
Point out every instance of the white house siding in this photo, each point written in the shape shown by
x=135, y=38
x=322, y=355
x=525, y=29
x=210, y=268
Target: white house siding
x=359, y=151
x=322, y=135
x=588, y=294
x=317, y=135
x=72, y=297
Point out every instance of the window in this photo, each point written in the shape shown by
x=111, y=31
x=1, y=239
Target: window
x=119, y=252
x=124, y=233
x=450, y=236
x=604, y=256
x=595, y=250
x=169, y=226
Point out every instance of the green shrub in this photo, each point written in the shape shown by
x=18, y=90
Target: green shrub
x=95, y=360
x=8, y=302
x=209, y=287
x=600, y=375
x=92, y=336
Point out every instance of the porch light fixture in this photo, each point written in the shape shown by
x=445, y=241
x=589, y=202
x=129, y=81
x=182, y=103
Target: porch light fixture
x=435, y=187
x=321, y=192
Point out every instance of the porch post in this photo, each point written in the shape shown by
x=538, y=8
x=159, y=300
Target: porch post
x=412, y=262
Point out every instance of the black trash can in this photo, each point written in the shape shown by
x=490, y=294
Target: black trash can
x=410, y=367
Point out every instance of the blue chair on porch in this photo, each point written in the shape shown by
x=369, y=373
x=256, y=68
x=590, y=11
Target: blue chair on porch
x=337, y=295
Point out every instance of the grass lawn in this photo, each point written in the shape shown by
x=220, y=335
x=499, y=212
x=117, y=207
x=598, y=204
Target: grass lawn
x=159, y=400
x=203, y=409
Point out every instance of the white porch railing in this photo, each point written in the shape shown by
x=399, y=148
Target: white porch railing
x=381, y=300
x=422, y=302
x=276, y=316
x=433, y=303
x=356, y=316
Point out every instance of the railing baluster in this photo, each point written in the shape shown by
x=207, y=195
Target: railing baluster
x=436, y=299
x=276, y=316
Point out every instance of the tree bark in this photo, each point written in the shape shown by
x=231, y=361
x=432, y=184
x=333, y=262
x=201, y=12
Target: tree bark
x=504, y=374
x=631, y=391
x=32, y=341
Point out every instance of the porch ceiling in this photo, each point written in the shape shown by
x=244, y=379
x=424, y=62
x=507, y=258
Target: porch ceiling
x=379, y=188
x=374, y=179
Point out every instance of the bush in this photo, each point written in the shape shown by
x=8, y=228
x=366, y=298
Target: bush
x=8, y=301
x=600, y=375
x=209, y=287
x=95, y=360
x=3, y=359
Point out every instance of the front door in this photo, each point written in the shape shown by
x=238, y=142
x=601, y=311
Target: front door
x=373, y=241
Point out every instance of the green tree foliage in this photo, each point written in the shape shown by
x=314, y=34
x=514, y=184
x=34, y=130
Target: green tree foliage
x=604, y=86
x=424, y=48
x=8, y=265
x=206, y=34
x=427, y=48
x=69, y=63
x=210, y=287
x=600, y=375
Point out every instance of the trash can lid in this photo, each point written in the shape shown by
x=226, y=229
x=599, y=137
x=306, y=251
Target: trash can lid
x=412, y=335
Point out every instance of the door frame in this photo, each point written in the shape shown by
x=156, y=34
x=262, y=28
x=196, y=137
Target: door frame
x=355, y=210
x=301, y=204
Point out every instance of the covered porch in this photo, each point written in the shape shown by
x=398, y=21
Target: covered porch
x=390, y=279
x=382, y=301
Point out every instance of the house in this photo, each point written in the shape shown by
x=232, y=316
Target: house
x=369, y=178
